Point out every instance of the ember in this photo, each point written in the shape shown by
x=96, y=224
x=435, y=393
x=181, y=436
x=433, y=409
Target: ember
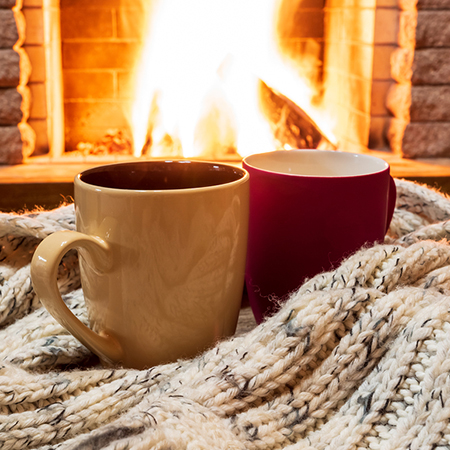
x=114, y=142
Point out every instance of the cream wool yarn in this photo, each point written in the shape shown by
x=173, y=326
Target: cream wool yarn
x=357, y=358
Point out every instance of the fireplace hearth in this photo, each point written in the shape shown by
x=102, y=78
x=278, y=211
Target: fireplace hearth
x=47, y=184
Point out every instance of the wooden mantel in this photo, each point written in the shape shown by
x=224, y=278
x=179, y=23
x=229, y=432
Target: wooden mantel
x=63, y=170
x=45, y=183
x=415, y=168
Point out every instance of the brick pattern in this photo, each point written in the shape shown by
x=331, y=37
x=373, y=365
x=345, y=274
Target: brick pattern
x=419, y=100
x=348, y=66
x=360, y=37
x=385, y=42
x=100, y=43
x=300, y=34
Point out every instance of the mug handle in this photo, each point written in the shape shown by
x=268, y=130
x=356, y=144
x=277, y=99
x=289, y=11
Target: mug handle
x=44, y=269
x=392, y=200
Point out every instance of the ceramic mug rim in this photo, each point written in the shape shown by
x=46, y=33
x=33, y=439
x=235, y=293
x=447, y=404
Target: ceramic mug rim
x=251, y=162
x=242, y=176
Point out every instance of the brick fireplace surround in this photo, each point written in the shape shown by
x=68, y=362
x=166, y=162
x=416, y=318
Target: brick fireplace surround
x=394, y=53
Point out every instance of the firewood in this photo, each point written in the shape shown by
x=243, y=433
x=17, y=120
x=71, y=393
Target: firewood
x=290, y=124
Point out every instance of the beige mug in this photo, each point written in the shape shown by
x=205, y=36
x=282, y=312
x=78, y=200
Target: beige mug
x=162, y=247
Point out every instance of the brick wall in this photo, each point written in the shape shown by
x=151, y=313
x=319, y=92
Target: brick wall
x=347, y=46
x=100, y=41
x=386, y=32
x=356, y=70
x=300, y=33
x=419, y=100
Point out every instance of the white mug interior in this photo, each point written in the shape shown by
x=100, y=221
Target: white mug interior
x=317, y=163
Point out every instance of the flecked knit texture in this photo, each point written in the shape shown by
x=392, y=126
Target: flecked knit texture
x=357, y=358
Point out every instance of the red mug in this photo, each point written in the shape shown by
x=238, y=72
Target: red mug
x=310, y=209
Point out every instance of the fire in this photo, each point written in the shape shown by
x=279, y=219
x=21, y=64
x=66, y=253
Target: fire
x=197, y=81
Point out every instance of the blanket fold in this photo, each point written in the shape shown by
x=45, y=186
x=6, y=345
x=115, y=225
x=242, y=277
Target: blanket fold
x=356, y=358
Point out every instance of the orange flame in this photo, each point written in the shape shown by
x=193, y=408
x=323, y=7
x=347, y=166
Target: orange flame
x=197, y=80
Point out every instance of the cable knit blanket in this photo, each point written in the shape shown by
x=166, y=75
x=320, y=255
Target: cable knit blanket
x=358, y=358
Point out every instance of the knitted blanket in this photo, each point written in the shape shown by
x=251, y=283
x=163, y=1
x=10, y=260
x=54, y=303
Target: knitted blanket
x=357, y=358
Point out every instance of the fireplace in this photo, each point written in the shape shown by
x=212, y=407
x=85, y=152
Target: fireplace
x=380, y=72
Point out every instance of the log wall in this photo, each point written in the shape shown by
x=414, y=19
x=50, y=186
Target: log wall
x=16, y=136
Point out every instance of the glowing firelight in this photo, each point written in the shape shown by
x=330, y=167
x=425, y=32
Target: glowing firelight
x=197, y=79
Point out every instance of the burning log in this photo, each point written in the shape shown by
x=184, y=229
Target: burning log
x=290, y=124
